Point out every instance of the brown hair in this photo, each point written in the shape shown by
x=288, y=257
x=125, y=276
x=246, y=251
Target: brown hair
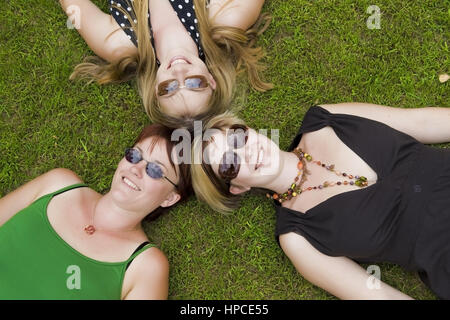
x=161, y=133
x=228, y=51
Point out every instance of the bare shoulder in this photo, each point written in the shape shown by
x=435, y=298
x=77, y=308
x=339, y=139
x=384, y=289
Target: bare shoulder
x=402, y=119
x=149, y=276
x=26, y=194
x=426, y=124
x=297, y=247
x=153, y=257
x=357, y=108
x=240, y=14
x=372, y=111
x=56, y=179
x=292, y=240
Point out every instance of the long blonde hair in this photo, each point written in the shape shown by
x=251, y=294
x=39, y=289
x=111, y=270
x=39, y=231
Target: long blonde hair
x=228, y=51
x=207, y=186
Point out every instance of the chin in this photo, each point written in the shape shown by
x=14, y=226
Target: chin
x=119, y=196
x=271, y=169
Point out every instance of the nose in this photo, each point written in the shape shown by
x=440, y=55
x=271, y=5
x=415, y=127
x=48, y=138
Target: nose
x=179, y=71
x=138, y=169
x=251, y=149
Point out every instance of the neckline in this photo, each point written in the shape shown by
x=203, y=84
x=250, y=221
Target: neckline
x=65, y=243
x=311, y=210
x=300, y=135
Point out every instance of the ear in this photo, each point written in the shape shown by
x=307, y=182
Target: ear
x=171, y=199
x=212, y=82
x=238, y=189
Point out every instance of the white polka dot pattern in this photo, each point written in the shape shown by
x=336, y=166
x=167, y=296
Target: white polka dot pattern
x=181, y=7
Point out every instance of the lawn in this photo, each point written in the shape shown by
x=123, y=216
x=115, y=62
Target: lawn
x=317, y=52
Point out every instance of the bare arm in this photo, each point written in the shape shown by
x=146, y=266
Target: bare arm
x=339, y=276
x=235, y=13
x=100, y=31
x=150, y=276
x=427, y=125
x=26, y=194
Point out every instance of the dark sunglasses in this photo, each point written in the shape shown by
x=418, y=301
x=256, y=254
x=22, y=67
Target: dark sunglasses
x=153, y=169
x=230, y=164
x=195, y=83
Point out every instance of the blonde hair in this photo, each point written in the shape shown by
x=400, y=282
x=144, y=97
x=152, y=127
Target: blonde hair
x=207, y=186
x=228, y=51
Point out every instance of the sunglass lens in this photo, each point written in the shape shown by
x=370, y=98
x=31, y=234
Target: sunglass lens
x=167, y=87
x=154, y=170
x=195, y=83
x=230, y=165
x=132, y=155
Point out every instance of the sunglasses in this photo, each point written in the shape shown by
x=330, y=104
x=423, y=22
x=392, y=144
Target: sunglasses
x=153, y=169
x=194, y=83
x=230, y=164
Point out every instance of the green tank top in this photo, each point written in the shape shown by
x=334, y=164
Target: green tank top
x=36, y=263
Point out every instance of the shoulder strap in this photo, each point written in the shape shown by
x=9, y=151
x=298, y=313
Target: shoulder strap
x=142, y=247
x=314, y=119
x=73, y=186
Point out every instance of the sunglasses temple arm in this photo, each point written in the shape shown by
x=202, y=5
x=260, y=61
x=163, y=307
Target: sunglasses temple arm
x=170, y=182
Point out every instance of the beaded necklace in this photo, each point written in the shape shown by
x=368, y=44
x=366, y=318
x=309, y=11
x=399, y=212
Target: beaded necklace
x=296, y=189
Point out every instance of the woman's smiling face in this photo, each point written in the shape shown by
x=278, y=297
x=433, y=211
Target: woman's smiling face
x=184, y=101
x=257, y=158
x=134, y=189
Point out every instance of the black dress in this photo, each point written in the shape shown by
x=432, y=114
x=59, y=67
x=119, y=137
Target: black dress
x=404, y=218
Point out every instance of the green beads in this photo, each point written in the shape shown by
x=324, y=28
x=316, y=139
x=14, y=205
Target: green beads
x=296, y=190
x=361, y=182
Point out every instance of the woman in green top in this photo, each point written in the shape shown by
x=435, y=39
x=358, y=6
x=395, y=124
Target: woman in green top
x=60, y=239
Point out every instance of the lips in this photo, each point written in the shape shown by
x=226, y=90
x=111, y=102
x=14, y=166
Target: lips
x=176, y=60
x=130, y=184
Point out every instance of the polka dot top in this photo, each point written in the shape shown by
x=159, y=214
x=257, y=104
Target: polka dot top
x=184, y=9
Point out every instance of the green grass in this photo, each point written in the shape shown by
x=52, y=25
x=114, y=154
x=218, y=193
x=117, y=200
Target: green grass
x=317, y=52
